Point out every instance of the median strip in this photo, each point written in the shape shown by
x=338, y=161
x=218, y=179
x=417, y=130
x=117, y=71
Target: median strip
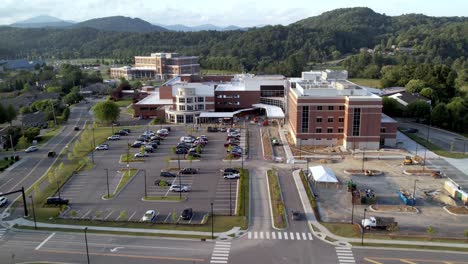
x=276, y=200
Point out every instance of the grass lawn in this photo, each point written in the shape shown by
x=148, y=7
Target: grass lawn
x=50, y=133
x=243, y=195
x=126, y=177
x=124, y=103
x=434, y=148
x=367, y=82
x=309, y=195
x=279, y=214
x=130, y=111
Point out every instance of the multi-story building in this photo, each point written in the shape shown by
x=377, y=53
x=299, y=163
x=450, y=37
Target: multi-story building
x=326, y=109
x=159, y=66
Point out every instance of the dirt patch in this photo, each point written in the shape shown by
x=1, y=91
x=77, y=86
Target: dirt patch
x=461, y=210
x=311, y=150
x=365, y=172
x=395, y=208
x=268, y=151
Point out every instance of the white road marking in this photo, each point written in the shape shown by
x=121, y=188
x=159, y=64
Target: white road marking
x=108, y=215
x=298, y=236
x=285, y=235
x=45, y=241
x=304, y=237
x=310, y=236
x=130, y=218
x=249, y=235
x=291, y=235
x=267, y=234
x=255, y=235
x=273, y=235
x=261, y=235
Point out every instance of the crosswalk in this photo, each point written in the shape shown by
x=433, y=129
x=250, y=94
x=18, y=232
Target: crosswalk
x=345, y=255
x=221, y=252
x=302, y=236
x=2, y=232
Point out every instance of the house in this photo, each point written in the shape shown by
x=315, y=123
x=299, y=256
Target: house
x=36, y=119
x=405, y=98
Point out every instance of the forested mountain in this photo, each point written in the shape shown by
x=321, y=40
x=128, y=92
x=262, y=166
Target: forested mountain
x=120, y=24
x=184, y=28
x=41, y=22
x=271, y=49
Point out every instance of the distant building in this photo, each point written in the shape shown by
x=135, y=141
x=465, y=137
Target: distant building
x=325, y=109
x=36, y=119
x=21, y=64
x=405, y=98
x=159, y=66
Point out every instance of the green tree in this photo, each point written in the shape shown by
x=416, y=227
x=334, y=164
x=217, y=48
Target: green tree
x=2, y=114
x=457, y=109
x=391, y=107
x=10, y=114
x=418, y=109
x=23, y=142
x=430, y=231
x=106, y=111
x=414, y=86
x=198, y=149
x=427, y=92
x=439, y=115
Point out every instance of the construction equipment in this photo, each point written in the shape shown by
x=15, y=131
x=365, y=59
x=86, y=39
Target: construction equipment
x=387, y=223
x=412, y=160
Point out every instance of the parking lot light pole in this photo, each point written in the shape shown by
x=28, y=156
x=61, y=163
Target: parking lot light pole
x=363, y=229
x=212, y=222
x=34, y=212
x=86, y=242
x=107, y=180
x=146, y=193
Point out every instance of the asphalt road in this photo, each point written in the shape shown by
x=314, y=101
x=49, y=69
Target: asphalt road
x=442, y=138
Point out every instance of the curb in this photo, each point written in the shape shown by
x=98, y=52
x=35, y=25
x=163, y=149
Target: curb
x=459, y=215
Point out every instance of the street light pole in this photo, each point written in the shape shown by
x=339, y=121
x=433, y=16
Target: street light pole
x=86, y=242
x=34, y=212
x=363, y=229
x=107, y=180
x=144, y=173
x=212, y=222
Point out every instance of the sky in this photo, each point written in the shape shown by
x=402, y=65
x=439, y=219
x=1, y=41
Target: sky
x=223, y=13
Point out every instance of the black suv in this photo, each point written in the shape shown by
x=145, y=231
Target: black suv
x=187, y=214
x=57, y=201
x=51, y=154
x=181, y=151
x=167, y=174
x=188, y=171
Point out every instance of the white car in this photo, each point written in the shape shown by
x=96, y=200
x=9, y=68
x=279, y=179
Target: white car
x=31, y=149
x=179, y=188
x=3, y=200
x=231, y=175
x=149, y=216
x=141, y=155
x=114, y=137
x=102, y=147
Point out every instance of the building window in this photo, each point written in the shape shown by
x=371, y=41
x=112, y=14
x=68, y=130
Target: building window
x=201, y=99
x=318, y=139
x=181, y=100
x=319, y=108
x=180, y=119
x=318, y=119
x=330, y=119
x=331, y=107
x=356, y=121
x=341, y=119
x=171, y=117
x=329, y=138
x=189, y=119
x=202, y=107
x=383, y=130
x=318, y=130
x=189, y=100
x=329, y=130
x=237, y=103
x=340, y=130
x=305, y=119
x=189, y=107
x=341, y=107
x=237, y=96
x=181, y=107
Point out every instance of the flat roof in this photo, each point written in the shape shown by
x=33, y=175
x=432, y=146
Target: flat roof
x=217, y=114
x=153, y=99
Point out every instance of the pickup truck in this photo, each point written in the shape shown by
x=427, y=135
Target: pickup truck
x=387, y=223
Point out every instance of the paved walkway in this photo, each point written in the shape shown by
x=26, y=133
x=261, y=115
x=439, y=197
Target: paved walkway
x=25, y=222
x=344, y=241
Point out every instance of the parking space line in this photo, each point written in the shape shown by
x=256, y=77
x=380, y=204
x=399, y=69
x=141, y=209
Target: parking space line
x=167, y=217
x=108, y=215
x=130, y=218
x=89, y=211
x=45, y=241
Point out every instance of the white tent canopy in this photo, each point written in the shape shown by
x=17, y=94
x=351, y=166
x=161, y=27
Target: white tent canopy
x=323, y=174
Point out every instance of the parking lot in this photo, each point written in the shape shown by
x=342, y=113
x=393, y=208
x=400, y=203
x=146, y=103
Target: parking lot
x=86, y=189
x=335, y=202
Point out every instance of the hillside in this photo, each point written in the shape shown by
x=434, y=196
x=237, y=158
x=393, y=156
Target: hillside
x=42, y=21
x=120, y=24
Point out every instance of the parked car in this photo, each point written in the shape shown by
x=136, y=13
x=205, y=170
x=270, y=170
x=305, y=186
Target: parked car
x=230, y=170
x=56, y=201
x=179, y=188
x=141, y=155
x=168, y=128
x=114, y=137
x=183, y=145
x=227, y=144
x=3, y=201
x=186, y=214
x=163, y=131
x=204, y=137
x=137, y=144
x=212, y=129
x=188, y=171
x=181, y=151
x=194, y=154
x=126, y=130
x=233, y=130
x=122, y=133
x=149, y=216
x=149, y=148
x=231, y=175
x=76, y=128
x=154, y=145
x=187, y=139
x=236, y=154
x=223, y=129
x=31, y=149
x=51, y=154
x=167, y=174
x=102, y=147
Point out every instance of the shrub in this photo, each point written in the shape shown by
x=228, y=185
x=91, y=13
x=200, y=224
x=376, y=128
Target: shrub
x=5, y=158
x=17, y=158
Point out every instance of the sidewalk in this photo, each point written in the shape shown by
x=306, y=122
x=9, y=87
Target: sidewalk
x=25, y=222
x=344, y=241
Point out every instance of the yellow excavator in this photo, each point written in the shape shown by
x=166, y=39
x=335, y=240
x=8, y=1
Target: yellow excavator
x=412, y=160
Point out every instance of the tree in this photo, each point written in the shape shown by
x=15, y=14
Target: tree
x=198, y=149
x=106, y=111
x=2, y=114
x=427, y=92
x=23, y=142
x=418, y=109
x=10, y=114
x=414, y=86
x=391, y=107
x=439, y=115
x=457, y=109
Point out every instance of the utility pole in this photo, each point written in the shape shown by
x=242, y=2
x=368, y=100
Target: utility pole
x=414, y=192
x=86, y=242
x=146, y=194
x=53, y=112
x=363, y=158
